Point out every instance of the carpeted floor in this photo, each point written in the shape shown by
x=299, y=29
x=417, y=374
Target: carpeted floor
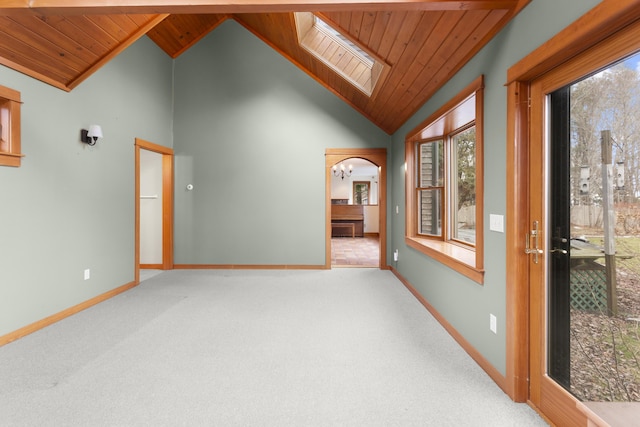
x=343, y=347
x=355, y=252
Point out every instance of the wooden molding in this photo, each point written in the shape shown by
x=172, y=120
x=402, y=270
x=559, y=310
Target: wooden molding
x=495, y=375
x=115, y=52
x=377, y=156
x=472, y=88
x=609, y=31
x=516, y=228
x=594, y=26
x=167, y=203
x=256, y=6
x=197, y=39
x=36, y=326
x=247, y=267
x=10, y=126
x=152, y=266
x=38, y=76
x=449, y=117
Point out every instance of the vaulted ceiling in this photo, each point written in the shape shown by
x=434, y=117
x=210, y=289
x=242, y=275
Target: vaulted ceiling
x=62, y=42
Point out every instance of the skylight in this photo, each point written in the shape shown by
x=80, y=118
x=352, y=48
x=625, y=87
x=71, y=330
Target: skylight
x=338, y=52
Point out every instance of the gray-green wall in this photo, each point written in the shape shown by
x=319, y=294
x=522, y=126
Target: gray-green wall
x=251, y=131
x=465, y=304
x=70, y=207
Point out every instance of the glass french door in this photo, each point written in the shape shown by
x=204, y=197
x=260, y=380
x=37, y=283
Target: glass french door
x=584, y=238
x=558, y=238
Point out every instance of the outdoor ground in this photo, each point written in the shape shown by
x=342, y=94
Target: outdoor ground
x=605, y=351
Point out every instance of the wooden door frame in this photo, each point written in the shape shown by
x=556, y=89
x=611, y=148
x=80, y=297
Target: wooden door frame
x=377, y=156
x=167, y=204
x=596, y=26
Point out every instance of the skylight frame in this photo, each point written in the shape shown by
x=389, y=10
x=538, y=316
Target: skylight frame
x=309, y=25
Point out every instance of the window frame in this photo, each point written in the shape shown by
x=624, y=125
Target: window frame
x=10, y=154
x=309, y=25
x=456, y=116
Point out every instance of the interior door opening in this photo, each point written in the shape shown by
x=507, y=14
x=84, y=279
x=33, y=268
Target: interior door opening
x=355, y=206
x=154, y=189
x=150, y=209
x=355, y=213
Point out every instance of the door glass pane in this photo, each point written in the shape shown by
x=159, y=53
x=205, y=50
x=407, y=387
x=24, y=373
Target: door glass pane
x=464, y=186
x=594, y=288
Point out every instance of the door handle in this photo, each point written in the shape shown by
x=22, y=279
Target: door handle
x=531, y=243
x=558, y=251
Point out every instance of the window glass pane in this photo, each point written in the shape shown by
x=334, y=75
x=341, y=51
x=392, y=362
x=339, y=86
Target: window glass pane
x=431, y=164
x=361, y=193
x=464, y=186
x=429, y=212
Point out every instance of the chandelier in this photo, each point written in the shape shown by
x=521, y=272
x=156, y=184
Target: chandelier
x=341, y=173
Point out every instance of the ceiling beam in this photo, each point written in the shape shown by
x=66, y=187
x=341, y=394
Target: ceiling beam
x=64, y=7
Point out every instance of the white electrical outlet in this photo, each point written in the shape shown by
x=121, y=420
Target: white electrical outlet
x=87, y=274
x=397, y=209
x=496, y=223
x=493, y=324
x=395, y=255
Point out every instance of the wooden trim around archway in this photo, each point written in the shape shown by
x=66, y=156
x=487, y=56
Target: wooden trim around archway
x=377, y=156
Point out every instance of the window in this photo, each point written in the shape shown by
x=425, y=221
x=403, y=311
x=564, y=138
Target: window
x=444, y=184
x=9, y=127
x=351, y=61
x=463, y=190
x=361, y=192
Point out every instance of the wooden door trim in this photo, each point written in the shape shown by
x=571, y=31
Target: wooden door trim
x=377, y=156
x=167, y=203
x=517, y=292
x=604, y=20
x=595, y=27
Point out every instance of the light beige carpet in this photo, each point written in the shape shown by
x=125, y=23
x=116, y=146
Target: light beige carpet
x=343, y=347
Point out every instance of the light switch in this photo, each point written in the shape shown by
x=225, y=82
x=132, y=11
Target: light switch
x=496, y=223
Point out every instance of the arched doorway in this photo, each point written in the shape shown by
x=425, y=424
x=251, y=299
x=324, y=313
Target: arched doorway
x=376, y=156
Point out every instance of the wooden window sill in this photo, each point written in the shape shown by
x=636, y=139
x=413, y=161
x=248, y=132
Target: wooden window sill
x=457, y=257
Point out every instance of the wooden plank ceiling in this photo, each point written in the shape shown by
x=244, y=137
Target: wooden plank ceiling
x=62, y=42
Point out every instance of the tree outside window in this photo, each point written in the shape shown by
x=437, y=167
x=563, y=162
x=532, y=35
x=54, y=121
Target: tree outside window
x=463, y=209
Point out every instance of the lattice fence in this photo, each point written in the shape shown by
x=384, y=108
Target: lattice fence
x=589, y=289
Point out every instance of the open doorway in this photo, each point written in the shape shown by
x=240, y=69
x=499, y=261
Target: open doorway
x=356, y=208
x=153, y=207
